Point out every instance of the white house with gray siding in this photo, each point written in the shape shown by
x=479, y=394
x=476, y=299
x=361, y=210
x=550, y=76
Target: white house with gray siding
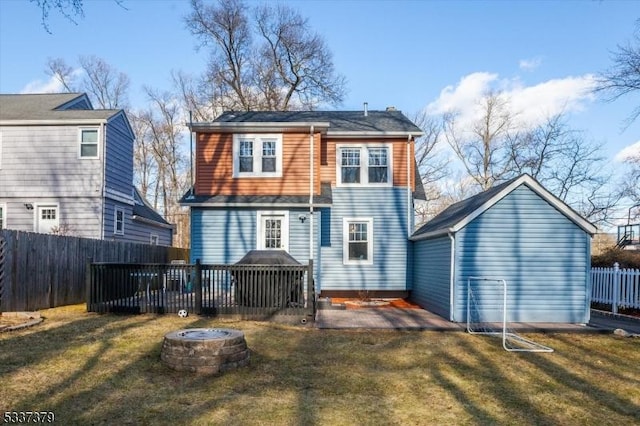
x=67, y=168
x=516, y=231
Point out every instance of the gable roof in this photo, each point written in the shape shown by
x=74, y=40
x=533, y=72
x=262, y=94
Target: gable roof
x=335, y=123
x=49, y=107
x=458, y=215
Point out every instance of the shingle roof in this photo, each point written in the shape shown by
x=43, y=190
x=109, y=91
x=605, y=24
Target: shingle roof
x=43, y=107
x=457, y=214
x=325, y=198
x=340, y=121
x=143, y=209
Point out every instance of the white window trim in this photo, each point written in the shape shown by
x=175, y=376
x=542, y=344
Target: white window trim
x=364, y=164
x=115, y=220
x=3, y=218
x=99, y=138
x=36, y=215
x=257, y=155
x=285, y=228
x=152, y=237
x=345, y=240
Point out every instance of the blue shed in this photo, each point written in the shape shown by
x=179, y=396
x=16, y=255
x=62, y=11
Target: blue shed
x=517, y=231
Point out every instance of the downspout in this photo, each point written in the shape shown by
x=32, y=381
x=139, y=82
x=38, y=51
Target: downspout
x=452, y=271
x=103, y=131
x=409, y=204
x=311, y=178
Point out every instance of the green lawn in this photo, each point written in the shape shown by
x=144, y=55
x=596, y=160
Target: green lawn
x=105, y=369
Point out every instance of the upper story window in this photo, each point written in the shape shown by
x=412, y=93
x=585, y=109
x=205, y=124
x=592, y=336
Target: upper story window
x=118, y=221
x=89, y=143
x=364, y=165
x=257, y=155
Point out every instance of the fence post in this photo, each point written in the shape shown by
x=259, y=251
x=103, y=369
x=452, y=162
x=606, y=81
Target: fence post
x=3, y=257
x=311, y=293
x=197, y=282
x=87, y=280
x=616, y=287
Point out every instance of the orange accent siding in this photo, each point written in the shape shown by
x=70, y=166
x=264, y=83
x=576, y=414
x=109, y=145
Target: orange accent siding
x=328, y=171
x=214, y=165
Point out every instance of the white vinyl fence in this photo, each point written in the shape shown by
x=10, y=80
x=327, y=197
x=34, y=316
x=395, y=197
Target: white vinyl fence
x=618, y=287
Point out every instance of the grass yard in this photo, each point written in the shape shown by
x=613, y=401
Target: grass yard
x=94, y=369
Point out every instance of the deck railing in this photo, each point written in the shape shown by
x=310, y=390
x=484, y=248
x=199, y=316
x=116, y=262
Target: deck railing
x=618, y=287
x=246, y=291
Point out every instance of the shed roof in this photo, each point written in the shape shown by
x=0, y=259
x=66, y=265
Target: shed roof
x=458, y=215
x=378, y=122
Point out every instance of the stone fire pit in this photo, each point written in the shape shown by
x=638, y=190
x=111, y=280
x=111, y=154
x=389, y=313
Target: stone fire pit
x=205, y=350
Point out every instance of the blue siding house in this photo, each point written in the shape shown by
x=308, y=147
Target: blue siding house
x=516, y=231
x=332, y=187
x=67, y=168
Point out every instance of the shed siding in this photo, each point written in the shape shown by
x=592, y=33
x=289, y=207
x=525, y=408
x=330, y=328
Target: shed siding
x=42, y=161
x=541, y=254
x=432, y=275
x=225, y=236
x=388, y=209
x=119, y=156
x=140, y=232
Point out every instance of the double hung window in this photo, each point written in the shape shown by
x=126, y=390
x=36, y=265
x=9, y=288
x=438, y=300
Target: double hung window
x=257, y=155
x=364, y=165
x=358, y=241
x=88, y=143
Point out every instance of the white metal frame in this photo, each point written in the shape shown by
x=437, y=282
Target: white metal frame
x=527, y=345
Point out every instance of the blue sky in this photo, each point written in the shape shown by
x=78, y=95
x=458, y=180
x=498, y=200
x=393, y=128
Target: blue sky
x=413, y=55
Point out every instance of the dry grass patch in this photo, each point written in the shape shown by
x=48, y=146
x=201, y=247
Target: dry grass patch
x=105, y=369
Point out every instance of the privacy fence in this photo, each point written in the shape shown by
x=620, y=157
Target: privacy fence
x=617, y=287
x=44, y=271
x=245, y=291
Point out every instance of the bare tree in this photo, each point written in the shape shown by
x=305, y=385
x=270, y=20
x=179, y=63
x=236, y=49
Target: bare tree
x=70, y=9
x=288, y=66
x=295, y=66
x=63, y=73
x=631, y=182
x=483, y=148
x=104, y=83
x=144, y=166
x=433, y=165
x=623, y=77
x=106, y=86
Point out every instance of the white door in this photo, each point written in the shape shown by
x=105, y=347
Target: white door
x=47, y=219
x=273, y=232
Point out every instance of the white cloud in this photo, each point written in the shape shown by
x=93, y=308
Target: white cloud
x=628, y=152
x=52, y=85
x=38, y=86
x=530, y=64
x=531, y=105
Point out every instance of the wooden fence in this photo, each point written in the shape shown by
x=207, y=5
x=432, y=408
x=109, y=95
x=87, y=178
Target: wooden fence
x=45, y=271
x=618, y=287
x=246, y=291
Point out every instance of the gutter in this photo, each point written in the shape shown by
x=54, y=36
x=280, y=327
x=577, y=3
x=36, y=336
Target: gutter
x=311, y=187
x=409, y=191
x=152, y=222
x=103, y=132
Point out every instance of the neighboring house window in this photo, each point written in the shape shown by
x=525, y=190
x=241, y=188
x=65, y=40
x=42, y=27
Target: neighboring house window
x=358, y=241
x=118, y=221
x=257, y=155
x=89, y=143
x=153, y=239
x=47, y=219
x=364, y=165
x=3, y=216
x=273, y=230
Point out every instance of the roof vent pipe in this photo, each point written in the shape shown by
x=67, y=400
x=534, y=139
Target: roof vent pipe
x=366, y=109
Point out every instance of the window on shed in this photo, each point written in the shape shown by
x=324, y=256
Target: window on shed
x=2, y=217
x=153, y=239
x=88, y=143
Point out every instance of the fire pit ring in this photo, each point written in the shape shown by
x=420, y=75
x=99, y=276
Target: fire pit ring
x=205, y=350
